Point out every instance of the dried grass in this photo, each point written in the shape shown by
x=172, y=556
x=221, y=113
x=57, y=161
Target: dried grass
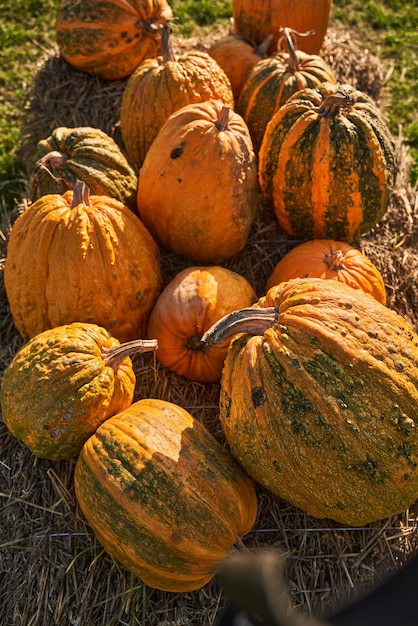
x=53, y=571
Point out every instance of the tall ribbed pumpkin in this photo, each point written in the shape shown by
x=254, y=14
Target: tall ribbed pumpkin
x=162, y=496
x=327, y=164
x=320, y=402
x=198, y=190
x=162, y=85
x=256, y=19
x=110, y=38
x=81, y=258
x=272, y=81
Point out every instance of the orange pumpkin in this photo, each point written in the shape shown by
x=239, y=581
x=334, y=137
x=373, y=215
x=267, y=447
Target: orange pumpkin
x=109, y=38
x=328, y=259
x=192, y=301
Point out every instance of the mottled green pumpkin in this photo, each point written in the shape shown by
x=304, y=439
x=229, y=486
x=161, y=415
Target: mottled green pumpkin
x=327, y=164
x=62, y=384
x=319, y=403
x=87, y=154
x=162, y=496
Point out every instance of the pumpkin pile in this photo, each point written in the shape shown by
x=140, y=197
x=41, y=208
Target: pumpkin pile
x=206, y=150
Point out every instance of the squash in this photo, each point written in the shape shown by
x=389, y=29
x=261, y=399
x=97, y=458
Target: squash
x=198, y=191
x=272, y=81
x=309, y=18
x=327, y=164
x=237, y=55
x=337, y=260
x=162, y=85
x=319, y=403
x=87, y=154
x=81, y=258
x=191, y=302
x=63, y=383
x=109, y=38
x=162, y=496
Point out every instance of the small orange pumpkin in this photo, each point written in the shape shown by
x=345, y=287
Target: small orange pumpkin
x=328, y=259
x=192, y=301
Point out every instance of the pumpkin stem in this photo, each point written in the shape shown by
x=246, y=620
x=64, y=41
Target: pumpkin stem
x=81, y=194
x=262, y=49
x=334, y=103
x=290, y=39
x=113, y=356
x=249, y=320
x=51, y=161
x=335, y=260
x=166, y=48
x=223, y=119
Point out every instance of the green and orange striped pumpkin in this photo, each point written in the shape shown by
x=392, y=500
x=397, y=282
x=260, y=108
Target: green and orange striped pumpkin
x=327, y=164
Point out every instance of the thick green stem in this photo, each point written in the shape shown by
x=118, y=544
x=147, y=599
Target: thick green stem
x=113, y=356
x=250, y=320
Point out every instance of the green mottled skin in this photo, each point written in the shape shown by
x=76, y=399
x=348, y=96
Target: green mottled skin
x=340, y=407
x=93, y=157
x=57, y=390
x=162, y=495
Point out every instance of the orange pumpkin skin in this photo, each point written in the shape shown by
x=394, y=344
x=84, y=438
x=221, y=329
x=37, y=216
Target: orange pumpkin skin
x=198, y=191
x=320, y=408
x=62, y=384
x=328, y=259
x=192, y=301
x=256, y=20
x=162, y=85
x=109, y=38
x=92, y=260
x=162, y=496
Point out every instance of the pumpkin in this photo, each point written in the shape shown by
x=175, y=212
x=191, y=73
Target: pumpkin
x=319, y=403
x=327, y=164
x=272, y=81
x=87, y=154
x=237, y=55
x=191, y=302
x=198, y=192
x=163, y=85
x=63, y=383
x=327, y=259
x=109, y=38
x=309, y=18
x=76, y=257
x=162, y=496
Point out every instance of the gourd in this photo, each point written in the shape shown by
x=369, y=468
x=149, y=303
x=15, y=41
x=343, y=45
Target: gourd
x=76, y=257
x=191, y=302
x=327, y=164
x=87, y=154
x=272, y=81
x=162, y=496
x=109, y=38
x=319, y=397
x=162, y=85
x=310, y=18
x=63, y=383
x=237, y=55
x=328, y=259
x=198, y=191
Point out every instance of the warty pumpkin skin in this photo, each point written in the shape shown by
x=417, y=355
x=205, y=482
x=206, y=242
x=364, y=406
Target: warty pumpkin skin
x=62, y=384
x=330, y=260
x=191, y=302
x=272, y=81
x=198, y=191
x=321, y=406
x=162, y=496
x=91, y=260
x=110, y=38
x=162, y=85
x=256, y=20
x=327, y=164
x=87, y=154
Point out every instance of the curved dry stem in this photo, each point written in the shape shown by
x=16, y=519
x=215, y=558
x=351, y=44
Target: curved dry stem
x=113, y=356
x=249, y=320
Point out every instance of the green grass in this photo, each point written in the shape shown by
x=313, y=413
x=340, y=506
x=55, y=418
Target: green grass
x=390, y=28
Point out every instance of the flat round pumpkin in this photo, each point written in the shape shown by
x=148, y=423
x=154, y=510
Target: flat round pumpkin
x=162, y=496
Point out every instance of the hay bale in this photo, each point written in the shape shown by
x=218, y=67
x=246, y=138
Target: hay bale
x=54, y=570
